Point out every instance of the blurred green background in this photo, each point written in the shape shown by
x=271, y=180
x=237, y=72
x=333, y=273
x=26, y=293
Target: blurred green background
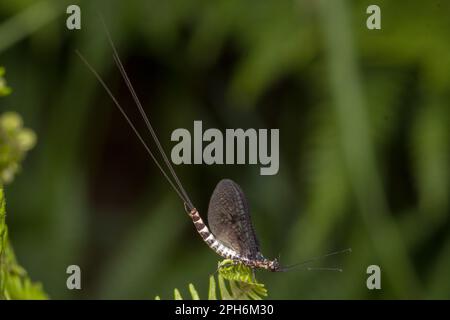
x=364, y=142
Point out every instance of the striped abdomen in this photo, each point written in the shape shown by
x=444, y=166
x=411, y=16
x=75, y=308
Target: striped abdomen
x=211, y=240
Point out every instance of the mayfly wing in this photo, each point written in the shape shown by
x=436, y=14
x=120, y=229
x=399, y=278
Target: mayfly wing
x=229, y=219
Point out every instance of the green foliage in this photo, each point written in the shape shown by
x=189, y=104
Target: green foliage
x=15, y=141
x=14, y=281
x=241, y=284
x=4, y=89
x=364, y=140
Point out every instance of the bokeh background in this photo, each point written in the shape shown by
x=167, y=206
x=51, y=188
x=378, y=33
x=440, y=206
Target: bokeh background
x=364, y=142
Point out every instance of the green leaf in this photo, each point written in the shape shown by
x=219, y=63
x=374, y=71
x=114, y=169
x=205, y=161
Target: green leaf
x=14, y=280
x=15, y=141
x=223, y=289
x=193, y=292
x=177, y=295
x=212, y=289
x=242, y=285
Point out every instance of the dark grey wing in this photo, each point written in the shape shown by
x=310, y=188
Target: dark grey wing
x=229, y=219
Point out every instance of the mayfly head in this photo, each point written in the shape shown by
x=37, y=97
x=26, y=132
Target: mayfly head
x=273, y=265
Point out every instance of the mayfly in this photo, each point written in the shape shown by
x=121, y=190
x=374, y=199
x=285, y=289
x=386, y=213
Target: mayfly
x=230, y=233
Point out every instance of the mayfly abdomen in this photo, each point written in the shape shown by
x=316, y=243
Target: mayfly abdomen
x=210, y=239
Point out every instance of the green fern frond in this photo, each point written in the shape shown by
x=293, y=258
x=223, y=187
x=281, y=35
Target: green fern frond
x=15, y=141
x=14, y=281
x=241, y=284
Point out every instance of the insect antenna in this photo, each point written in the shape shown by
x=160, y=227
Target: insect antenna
x=302, y=264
